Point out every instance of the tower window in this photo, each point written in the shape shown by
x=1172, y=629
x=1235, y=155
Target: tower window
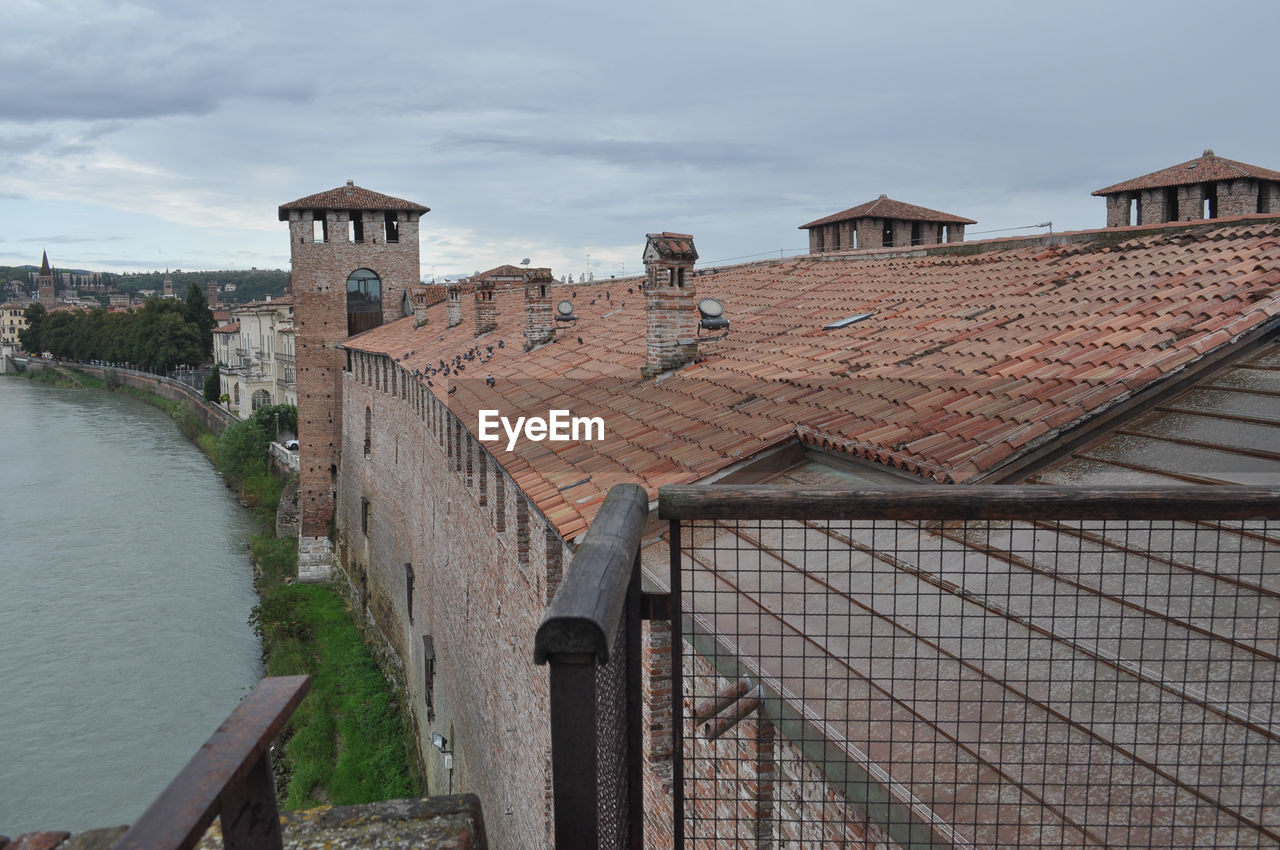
x=319, y=227
x=886, y=234
x=917, y=238
x=357, y=227
x=392, y=227
x=364, y=301
x=364, y=519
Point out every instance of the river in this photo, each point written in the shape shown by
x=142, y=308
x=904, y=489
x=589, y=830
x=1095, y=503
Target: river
x=125, y=589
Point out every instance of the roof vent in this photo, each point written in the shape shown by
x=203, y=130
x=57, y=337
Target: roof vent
x=883, y=196
x=1208, y=152
x=351, y=185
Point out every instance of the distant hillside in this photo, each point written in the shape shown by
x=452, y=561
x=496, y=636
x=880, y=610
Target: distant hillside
x=250, y=285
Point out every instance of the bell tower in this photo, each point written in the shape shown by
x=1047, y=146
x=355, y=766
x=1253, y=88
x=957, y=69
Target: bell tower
x=354, y=254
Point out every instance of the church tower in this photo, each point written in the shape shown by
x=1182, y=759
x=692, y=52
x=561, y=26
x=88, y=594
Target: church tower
x=44, y=280
x=354, y=255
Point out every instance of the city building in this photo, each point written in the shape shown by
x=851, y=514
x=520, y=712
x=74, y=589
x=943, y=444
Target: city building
x=255, y=356
x=13, y=321
x=1012, y=361
x=884, y=223
x=1207, y=187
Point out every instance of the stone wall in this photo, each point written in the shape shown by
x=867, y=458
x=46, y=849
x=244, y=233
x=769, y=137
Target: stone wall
x=437, y=541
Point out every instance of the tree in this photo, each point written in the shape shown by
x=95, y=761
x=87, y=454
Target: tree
x=198, y=313
x=213, y=386
x=30, y=336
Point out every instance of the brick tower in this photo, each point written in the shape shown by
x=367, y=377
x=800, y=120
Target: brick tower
x=354, y=255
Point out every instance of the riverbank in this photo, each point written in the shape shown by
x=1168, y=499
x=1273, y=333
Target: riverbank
x=346, y=744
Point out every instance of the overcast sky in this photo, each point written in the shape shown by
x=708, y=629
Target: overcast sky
x=147, y=134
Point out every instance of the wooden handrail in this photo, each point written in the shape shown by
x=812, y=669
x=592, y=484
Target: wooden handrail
x=228, y=777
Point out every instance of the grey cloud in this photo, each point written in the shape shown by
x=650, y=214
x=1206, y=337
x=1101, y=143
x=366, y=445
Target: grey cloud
x=628, y=153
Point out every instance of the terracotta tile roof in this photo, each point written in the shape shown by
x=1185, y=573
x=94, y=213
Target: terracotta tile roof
x=886, y=207
x=232, y=328
x=1206, y=168
x=350, y=197
x=503, y=272
x=965, y=362
x=672, y=246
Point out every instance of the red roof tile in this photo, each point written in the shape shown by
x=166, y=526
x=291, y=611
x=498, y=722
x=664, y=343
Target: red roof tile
x=886, y=207
x=967, y=360
x=350, y=197
x=1206, y=168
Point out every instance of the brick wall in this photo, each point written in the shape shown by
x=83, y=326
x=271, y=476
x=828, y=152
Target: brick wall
x=671, y=315
x=475, y=594
x=1237, y=197
x=539, y=326
x=486, y=308
x=320, y=271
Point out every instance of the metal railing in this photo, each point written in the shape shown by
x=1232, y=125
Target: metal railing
x=977, y=666
x=926, y=667
x=228, y=778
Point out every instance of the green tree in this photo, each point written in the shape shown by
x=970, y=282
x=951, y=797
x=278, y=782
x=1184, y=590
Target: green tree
x=266, y=417
x=30, y=336
x=198, y=313
x=242, y=451
x=213, y=386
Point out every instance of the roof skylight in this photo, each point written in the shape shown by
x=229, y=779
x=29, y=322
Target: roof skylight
x=845, y=322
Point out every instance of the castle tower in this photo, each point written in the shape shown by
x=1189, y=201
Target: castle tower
x=354, y=254
x=670, y=302
x=44, y=280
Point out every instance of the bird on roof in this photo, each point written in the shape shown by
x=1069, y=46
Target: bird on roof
x=501, y=344
x=452, y=390
x=579, y=340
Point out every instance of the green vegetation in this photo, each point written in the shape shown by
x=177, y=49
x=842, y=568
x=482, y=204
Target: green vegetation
x=346, y=743
x=212, y=385
x=162, y=334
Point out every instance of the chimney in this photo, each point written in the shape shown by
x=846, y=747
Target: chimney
x=418, y=302
x=453, y=304
x=539, y=327
x=486, y=308
x=670, y=305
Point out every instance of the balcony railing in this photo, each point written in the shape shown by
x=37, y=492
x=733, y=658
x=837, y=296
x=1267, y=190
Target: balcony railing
x=932, y=667
x=229, y=778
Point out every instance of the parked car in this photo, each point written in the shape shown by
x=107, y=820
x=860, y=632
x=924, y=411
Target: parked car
x=291, y=445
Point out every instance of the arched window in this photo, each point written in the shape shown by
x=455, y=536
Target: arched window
x=237, y=395
x=261, y=398
x=364, y=301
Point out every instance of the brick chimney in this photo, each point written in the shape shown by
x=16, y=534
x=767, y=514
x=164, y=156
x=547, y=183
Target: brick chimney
x=670, y=304
x=453, y=304
x=539, y=324
x=486, y=308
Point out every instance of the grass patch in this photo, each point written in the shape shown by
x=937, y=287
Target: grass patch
x=346, y=743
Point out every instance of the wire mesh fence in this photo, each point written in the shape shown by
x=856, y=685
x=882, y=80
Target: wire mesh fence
x=1034, y=682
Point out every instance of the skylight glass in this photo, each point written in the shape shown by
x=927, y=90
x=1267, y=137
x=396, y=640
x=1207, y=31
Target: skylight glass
x=845, y=322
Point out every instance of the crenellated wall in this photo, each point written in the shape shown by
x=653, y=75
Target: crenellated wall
x=438, y=542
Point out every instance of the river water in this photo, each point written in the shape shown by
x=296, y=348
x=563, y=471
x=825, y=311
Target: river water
x=125, y=589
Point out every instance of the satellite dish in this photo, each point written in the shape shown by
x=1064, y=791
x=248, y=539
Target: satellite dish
x=525, y=261
x=713, y=319
x=564, y=311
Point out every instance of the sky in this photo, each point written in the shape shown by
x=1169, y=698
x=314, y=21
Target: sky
x=146, y=135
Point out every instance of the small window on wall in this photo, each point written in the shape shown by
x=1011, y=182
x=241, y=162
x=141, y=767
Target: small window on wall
x=408, y=590
x=368, y=432
x=364, y=516
x=393, y=227
x=429, y=675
